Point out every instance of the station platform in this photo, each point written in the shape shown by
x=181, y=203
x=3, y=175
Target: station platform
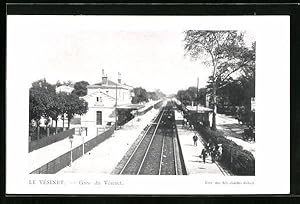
x=105, y=157
x=191, y=154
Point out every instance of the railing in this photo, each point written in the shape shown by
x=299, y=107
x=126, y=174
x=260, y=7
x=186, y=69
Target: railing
x=184, y=171
x=64, y=160
x=36, y=144
x=156, y=106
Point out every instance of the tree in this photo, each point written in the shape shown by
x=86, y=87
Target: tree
x=140, y=95
x=222, y=50
x=159, y=94
x=202, y=96
x=152, y=96
x=80, y=88
x=155, y=95
x=73, y=106
x=40, y=97
x=190, y=94
x=68, y=83
x=57, y=107
x=184, y=97
x=58, y=84
x=36, y=105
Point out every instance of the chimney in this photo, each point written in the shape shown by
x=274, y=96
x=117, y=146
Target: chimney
x=119, y=77
x=104, y=77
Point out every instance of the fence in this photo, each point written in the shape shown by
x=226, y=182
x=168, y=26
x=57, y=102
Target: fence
x=184, y=172
x=145, y=110
x=97, y=140
x=36, y=144
x=41, y=132
x=234, y=158
x=64, y=160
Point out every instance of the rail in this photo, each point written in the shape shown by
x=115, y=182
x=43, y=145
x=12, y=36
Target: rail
x=150, y=144
x=144, y=135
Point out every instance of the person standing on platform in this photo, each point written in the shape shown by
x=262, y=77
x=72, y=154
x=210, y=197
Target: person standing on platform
x=203, y=155
x=220, y=151
x=213, y=154
x=195, y=138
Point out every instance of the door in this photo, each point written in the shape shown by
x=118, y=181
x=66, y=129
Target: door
x=99, y=118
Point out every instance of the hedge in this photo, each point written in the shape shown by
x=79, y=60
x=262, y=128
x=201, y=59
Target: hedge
x=234, y=158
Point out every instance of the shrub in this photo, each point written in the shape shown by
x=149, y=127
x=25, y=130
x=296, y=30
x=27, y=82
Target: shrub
x=234, y=158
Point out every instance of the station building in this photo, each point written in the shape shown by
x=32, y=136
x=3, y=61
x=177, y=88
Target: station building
x=104, y=99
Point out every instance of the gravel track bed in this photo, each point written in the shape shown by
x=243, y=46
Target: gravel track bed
x=156, y=152
x=168, y=158
x=152, y=160
x=136, y=159
x=130, y=151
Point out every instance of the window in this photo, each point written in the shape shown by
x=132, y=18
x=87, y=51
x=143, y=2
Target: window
x=99, y=118
x=99, y=99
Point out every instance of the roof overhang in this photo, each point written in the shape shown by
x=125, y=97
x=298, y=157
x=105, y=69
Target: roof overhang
x=200, y=109
x=130, y=106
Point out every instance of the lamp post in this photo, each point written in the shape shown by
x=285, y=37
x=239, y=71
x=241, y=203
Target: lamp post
x=82, y=135
x=71, y=137
x=116, y=115
x=197, y=95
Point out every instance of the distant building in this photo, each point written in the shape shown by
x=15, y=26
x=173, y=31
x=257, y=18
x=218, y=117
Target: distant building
x=64, y=88
x=102, y=98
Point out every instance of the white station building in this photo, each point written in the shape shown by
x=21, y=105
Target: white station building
x=102, y=98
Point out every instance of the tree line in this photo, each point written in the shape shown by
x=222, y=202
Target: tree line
x=45, y=103
x=231, y=61
x=186, y=96
x=141, y=95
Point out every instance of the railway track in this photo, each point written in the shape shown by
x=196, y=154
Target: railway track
x=156, y=153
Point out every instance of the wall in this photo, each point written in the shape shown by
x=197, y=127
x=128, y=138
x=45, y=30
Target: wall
x=64, y=160
x=36, y=144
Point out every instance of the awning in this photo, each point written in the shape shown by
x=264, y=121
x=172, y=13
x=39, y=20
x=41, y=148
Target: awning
x=130, y=106
x=201, y=109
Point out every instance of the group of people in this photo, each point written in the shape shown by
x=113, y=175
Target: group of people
x=212, y=150
x=186, y=123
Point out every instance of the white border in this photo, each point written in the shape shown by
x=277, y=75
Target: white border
x=272, y=113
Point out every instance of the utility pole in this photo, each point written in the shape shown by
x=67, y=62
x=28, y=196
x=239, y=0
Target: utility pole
x=116, y=115
x=197, y=95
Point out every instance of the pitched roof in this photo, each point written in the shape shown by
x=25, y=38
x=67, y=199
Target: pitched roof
x=109, y=83
x=95, y=93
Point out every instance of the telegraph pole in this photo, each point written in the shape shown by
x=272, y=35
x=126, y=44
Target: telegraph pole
x=116, y=115
x=197, y=95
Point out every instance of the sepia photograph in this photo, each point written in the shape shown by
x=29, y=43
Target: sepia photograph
x=122, y=96
x=161, y=125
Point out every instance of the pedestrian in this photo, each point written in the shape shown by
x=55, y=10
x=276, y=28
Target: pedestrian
x=211, y=145
x=213, y=154
x=185, y=122
x=203, y=154
x=190, y=124
x=195, y=139
x=207, y=147
x=220, y=151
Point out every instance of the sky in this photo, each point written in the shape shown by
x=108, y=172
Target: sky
x=148, y=52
